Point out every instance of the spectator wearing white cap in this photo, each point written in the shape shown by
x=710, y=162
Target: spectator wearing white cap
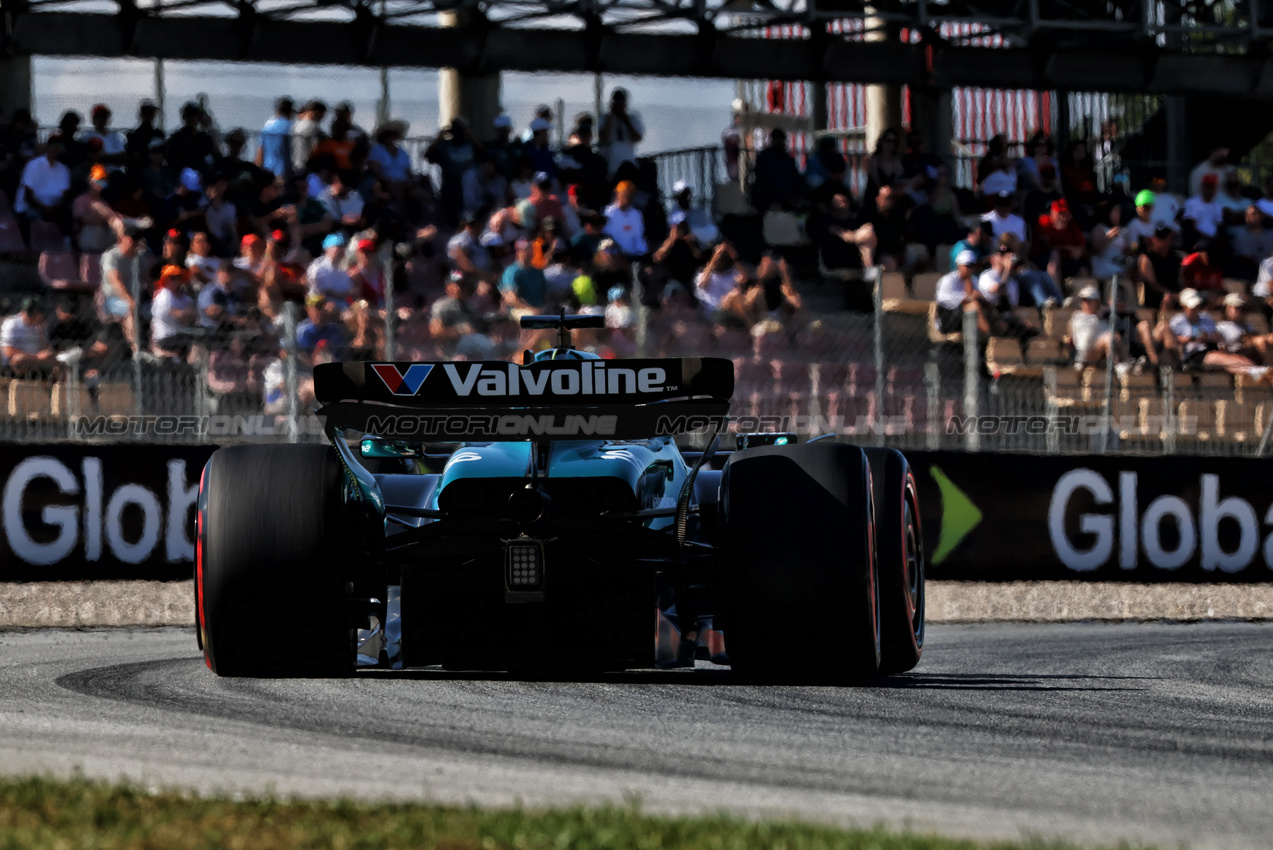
x=1199, y=340
x=1239, y=337
x=683, y=209
x=1089, y=333
x=957, y=293
x=621, y=129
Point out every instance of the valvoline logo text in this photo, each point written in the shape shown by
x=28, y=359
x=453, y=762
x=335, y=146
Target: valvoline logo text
x=403, y=383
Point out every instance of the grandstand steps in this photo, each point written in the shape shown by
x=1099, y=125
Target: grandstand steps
x=19, y=278
x=830, y=296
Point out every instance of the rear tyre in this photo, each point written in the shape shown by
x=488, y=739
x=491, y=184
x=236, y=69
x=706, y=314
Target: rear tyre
x=901, y=552
x=799, y=571
x=269, y=596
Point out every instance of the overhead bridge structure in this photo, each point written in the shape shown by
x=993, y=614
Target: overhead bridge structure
x=1198, y=47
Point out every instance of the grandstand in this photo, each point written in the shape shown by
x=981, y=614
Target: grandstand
x=253, y=253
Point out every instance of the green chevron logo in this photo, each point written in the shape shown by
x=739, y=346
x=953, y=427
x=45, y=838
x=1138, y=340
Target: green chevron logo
x=959, y=515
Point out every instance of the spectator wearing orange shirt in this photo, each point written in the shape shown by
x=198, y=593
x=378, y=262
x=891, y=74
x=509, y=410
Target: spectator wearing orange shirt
x=547, y=243
x=339, y=146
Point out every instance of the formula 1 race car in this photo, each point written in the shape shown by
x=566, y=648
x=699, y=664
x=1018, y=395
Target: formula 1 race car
x=541, y=519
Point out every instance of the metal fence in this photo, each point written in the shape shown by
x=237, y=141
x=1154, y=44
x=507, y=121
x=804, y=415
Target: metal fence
x=886, y=377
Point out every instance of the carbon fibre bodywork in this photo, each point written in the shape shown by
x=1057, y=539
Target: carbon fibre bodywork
x=618, y=523
x=580, y=477
x=609, y=573
x=524, y=519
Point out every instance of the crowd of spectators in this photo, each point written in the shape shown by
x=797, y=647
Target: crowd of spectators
x=202, y=239
x=1035, y=231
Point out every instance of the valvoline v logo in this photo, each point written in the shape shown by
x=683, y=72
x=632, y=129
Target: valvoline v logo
x=403, y=383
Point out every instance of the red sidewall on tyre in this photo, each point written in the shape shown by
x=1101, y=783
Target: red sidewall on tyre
x=901, y=552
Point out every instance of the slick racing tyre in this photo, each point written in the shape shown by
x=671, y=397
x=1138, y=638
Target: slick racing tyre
x=901, y=551
x=799, y=570
x=267, y=585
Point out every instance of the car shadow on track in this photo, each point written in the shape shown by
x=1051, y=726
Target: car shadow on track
x=683, y=676
x=723, y=677
x=1003, y=682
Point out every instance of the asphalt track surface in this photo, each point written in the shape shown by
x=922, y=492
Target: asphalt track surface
x=1150, y=732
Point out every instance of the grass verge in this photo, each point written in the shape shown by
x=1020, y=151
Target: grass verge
x=40, y=812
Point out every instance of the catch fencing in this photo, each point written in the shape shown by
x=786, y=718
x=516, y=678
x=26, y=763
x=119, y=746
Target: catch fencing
x=885, y=377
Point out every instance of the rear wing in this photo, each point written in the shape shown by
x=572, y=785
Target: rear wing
x=550, y=400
